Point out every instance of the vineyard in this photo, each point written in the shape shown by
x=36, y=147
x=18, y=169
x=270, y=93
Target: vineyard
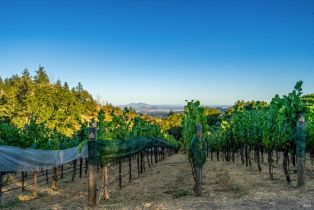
x=253, y=129
x=49, y=133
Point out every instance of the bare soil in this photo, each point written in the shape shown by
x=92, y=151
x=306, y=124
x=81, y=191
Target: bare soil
x=169, y=184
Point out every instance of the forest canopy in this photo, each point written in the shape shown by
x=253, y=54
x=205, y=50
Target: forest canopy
x=36, y=112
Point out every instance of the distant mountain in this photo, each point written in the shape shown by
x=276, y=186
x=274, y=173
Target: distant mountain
x=162, y=110
x=137, y=105
x=144, y=108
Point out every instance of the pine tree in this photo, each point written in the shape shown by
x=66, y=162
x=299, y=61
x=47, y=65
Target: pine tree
x=41, y=76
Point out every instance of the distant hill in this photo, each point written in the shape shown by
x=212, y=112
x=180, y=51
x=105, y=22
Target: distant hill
x=161, y=110
x=155, y=110
x=137, y=105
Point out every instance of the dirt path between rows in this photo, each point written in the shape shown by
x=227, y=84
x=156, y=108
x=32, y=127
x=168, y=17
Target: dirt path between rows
x=169, y=184
x=225, y=186
x=161, y=187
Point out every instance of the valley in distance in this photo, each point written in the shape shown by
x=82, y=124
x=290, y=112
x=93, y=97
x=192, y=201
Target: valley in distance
x=163, y=110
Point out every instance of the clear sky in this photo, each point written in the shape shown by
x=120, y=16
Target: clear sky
x=166, y=51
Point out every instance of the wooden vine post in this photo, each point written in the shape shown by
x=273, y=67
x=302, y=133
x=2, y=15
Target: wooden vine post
x=23, y=181
x=1, y=184
x=120, y=175
x=55, y=178
x=105, y=173
x=34, y=180
x=198, y=169
x=143, y=159
x=138, y=164
x=300, y=149
x=130, y=169
x=92, y=168
x=61, y=171
x=86, y=165
x=74, y=169
x=106, y=181
x=46, y=174
x=206, y=149
x=151, y=155
x=81, y=164
x=141, y=162
x=155, y=153
x=147, y=156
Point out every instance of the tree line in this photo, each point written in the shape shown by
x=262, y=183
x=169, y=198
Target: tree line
x=36, y=112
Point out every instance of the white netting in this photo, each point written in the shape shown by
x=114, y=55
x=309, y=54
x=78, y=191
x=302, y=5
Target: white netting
x=15, y=159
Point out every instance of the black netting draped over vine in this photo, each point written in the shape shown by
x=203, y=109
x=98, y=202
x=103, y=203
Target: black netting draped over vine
x=198, y=151
x=100, y=152
x=300, y=139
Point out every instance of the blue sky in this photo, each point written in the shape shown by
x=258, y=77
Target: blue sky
x=163, y=52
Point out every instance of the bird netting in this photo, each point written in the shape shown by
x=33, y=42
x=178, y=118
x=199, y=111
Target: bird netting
x=300, y=139
x=100, y=152
x=198, y=153
x=15, y=159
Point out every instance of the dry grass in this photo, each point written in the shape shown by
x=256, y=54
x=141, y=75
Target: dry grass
x=169, y=184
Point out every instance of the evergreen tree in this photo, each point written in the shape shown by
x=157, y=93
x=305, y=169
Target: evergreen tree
x=41, y=76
